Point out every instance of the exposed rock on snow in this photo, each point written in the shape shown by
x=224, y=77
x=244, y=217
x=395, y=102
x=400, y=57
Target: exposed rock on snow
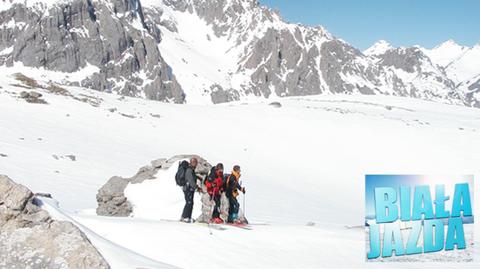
x=27, y=81
x=219, y=95
x=69, y=157
x=275, y=104
x=30, y=238
x=207, y=208
x=111, y=197
x=53, y=88
x=32, y=97
x=111, y=200
x=127, y=116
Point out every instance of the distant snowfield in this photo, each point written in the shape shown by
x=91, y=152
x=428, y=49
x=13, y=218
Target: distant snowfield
x=303, y=162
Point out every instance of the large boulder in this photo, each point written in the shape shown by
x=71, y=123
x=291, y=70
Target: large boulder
x=208, y=204
x=111, y=200
x=111, y=197
x=30, y=238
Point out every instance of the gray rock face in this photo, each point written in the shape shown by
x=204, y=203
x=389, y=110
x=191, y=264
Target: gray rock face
x=337, y=59
x=121, y=38
x=472, y=89
x=207, y=208
x=292, y=60
x=405, y=59
x=29, y=238
x=115, y=36
x=290, y=68
x=414, y=61
x=111, y=198
x=219, y=95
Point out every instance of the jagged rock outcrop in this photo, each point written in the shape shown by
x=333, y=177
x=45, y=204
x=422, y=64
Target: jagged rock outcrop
x=146, y=49
x=219, y=95
x=111, y=200
x=472, y=91
x=113, y=36
x=429, y=80
x=283, y=59
x=30, y=238
x=111, y=197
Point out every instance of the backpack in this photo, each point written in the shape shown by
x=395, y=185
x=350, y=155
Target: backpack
x=180, y=175
x=225, y=179
x=211, y=175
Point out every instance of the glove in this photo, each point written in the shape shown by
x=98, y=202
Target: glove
x=243, y=190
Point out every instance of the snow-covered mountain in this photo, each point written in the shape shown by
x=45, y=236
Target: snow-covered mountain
x=446, y=52
x=465, y=66
x=460, y=62
x=200, y=51
x=380, y=47
x=461, y=65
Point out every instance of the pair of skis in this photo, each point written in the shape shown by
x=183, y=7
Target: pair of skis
x=224, y=226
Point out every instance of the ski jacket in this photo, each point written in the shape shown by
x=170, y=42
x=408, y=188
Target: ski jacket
x=190, y=178
x=233, y=185
x=214, y=182
x=214, y=186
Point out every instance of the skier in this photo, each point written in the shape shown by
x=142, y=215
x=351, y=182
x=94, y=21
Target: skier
x=232, y=189
x=214, y=188
x=189, y=190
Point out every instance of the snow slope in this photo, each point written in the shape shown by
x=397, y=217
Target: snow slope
x=465, y=66
x=303, y=162
x=116, y=255
x=197, y=55
x=164, y=192
x=446, y=52
x=461, y=63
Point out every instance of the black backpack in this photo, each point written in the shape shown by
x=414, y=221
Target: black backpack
x=180, y=175
x=225, y=179
x=211, y=176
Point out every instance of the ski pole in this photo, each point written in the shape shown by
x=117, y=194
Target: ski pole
x=244, y=212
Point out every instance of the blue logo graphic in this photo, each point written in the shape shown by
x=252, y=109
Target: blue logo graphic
x=419, y=218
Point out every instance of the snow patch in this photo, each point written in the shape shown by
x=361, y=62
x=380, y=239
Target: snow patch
x=380, y=47
x=159, y=198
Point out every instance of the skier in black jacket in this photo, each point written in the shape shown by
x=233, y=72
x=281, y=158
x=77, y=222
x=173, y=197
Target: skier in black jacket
x=232, y=188
x=189, y=190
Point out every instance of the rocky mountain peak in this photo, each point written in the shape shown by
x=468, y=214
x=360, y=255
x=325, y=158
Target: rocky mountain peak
x=216, y=51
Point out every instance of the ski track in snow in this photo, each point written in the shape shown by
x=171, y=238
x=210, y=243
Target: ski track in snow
x=300, y=165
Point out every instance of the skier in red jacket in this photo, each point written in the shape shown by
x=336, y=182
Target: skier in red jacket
x=214, y=184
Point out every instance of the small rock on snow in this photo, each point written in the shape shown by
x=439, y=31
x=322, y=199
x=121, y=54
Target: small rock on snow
x=275, y=104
